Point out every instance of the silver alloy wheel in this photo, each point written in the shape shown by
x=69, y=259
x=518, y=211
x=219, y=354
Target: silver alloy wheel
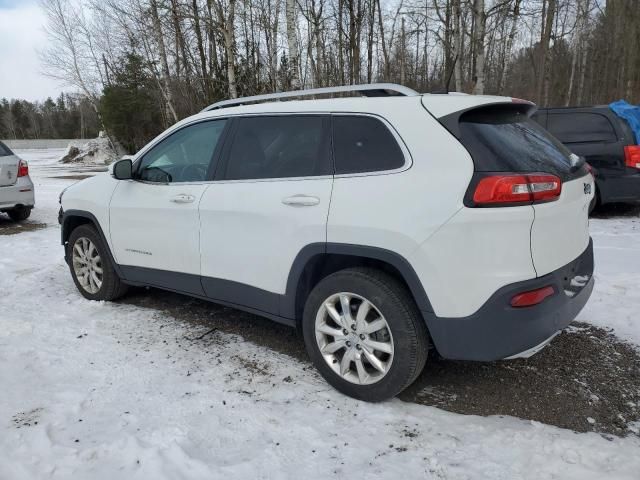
x=354, y=338
x=87, y=265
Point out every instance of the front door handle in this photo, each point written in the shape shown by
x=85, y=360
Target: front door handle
x=301, y=201
x=183, y=198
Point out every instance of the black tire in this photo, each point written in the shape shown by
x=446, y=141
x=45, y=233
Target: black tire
x=112, y=287
x=408, y=330
x=19, y=214
x=595, y=202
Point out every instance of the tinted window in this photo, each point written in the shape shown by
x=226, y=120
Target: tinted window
x=184, y=156
x=581, y=127
x=364, y=144
x=4, y=150
x=279, y=147
x=506, y=140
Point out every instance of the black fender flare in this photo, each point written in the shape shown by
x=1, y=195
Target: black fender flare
x=65, y=221
x=288, y=305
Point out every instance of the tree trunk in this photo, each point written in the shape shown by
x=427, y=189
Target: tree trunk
x=456, y=52
x=162, y=51
x=544, y=67
x=479, y=53
x=292, y=43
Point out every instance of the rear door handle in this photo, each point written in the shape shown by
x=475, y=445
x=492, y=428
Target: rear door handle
x=183, y=198
x=301, y=201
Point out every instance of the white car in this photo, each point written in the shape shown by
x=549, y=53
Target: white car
x=381, y=226
x=17, y=196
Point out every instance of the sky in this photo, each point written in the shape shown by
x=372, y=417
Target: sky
x=21, y=35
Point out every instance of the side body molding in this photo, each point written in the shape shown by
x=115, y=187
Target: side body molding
x=278, y=307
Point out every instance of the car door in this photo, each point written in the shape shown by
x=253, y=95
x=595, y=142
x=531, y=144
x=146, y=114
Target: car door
x=591, y=135
x=270, y=200
x=154, y=220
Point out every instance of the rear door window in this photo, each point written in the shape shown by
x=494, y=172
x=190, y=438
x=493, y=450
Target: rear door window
x=364, y=144
x=581, y=127
x=506, y=140
x=281, y=146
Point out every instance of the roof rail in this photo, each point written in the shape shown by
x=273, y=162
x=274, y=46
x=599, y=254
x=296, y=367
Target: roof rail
x=367, y=90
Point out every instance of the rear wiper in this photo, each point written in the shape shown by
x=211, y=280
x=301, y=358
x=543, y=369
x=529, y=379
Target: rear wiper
x=576, y=162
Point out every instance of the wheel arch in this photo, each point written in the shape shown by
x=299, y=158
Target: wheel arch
x=316, y=261
x=72, y=219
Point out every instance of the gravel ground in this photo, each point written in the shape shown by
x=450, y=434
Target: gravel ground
x=585, y=380
x=9, y=227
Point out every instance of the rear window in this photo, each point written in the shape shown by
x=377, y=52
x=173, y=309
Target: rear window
x=4, y=150
x=581, y=127
x=507, y=140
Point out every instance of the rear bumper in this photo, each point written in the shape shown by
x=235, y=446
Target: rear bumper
x=498, y=331
x=623, y=188
x=19, y=194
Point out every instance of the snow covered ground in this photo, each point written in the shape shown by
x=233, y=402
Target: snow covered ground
x=100, y=391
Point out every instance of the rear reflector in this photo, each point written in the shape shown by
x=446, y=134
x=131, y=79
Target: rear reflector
x=532, y=297
x=23, y=169
x=632, y=156
x=514, y=188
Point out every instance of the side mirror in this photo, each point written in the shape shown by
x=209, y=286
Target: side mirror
x=122, y=169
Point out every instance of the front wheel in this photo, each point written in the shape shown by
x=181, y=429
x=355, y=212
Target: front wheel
x=365, y=334
x=91, y=267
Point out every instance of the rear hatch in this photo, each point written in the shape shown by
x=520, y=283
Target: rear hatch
x=518, y=163
x=8, y=166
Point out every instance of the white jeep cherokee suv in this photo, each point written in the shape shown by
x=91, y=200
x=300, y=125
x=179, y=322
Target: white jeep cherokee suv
x=380, y=226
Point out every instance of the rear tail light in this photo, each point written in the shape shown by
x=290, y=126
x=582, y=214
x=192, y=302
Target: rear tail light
x=516, y=189
x=23, y=169
x=632, y=156
x=532, y=297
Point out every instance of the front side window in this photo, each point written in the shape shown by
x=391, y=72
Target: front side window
x=364, y=144
x=280, y=146
x=184, y=156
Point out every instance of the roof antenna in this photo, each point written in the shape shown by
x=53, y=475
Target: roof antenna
x=446, y=88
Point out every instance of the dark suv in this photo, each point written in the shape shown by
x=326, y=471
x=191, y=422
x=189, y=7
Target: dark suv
x=606, y=141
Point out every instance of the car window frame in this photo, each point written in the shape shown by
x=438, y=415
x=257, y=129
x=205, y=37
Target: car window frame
x=214, y=162
x=408, y=159
x=225, y=154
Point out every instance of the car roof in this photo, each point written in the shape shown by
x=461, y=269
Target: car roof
x=437, y=104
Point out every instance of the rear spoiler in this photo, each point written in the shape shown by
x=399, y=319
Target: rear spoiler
x=452, y=121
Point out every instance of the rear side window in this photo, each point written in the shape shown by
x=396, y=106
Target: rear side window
x=364, y=144
x=507, y=140
x=4, y=150
x=279, y=147
x=581, y=127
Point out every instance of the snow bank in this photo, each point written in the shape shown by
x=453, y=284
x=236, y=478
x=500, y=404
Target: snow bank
x=98, y=151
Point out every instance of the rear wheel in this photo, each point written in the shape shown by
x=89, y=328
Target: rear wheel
x=19, y=214
x=91, y=267
x=595, y=201
x=364, y=334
